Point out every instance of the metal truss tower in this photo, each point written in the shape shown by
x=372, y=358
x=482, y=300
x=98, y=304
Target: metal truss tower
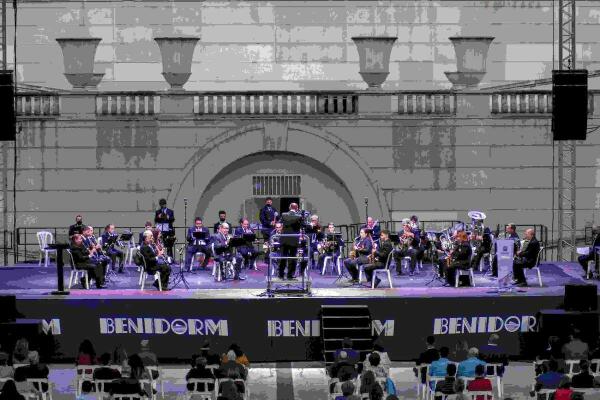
x=567, y=166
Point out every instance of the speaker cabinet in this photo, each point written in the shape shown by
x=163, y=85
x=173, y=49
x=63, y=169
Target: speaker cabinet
x=569, y=104
x=581, y=297
x=560, y=323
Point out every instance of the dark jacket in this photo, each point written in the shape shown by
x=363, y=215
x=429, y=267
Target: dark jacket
x=267, y=215
x=149, y=255
x=384, y=250
x=199, y=373
x=239, y=372
x=461, y=255
x=81, y=256
x=529, y=255
x=127, y=386
x=582, y=380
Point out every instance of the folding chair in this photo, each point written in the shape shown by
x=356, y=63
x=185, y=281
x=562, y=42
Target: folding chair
x=144, y=274
x=75, y=272
x=460, y=272
x=201, y=389
x=480, y=395
x=45, y=238
x=38, y=386
x=101, y=387
x=84, y=373
x=493, y=371
x=537, y=266
x=155, y=368
x=385, y=271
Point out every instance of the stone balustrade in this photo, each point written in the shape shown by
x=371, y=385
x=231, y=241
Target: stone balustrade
x=38, y=105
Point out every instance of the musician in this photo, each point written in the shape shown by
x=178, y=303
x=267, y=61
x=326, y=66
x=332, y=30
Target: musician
x=315, y=232
x=409, y=244
x=374, y=227
x=164, y=218
x=592, y=254
x=329, y=249
x=222, y=220
x=510, y=232
x=292, y=224
x=268, y=217
x=147, y=227
x=526, y=257
x=414, y=226
x=109, y=240
x=248, y=252
x=423, y=247
x=484, y=246
x=77, y=227
x=82, y=258
x=379, y=256
x=224, y=252
x=197, y=245
x=155, y=260
x=89, y=241
x=460, y=257
x=363, y=248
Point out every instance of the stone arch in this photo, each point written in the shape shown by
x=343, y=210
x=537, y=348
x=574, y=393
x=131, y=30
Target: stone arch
x=279, y=136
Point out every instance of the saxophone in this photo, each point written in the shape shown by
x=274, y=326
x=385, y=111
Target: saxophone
x=353, y=253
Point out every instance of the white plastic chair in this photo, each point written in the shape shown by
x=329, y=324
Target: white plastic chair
x=537, y=266
x=494, y=373
x=100, y=385
x=158, y=380
x=127, y=397
x=329, y=260
x=482, y=260
x=385, y=271
x=84, y=373
x=595, y=366
x=431, y=385
x=571, y=367
x=144, y=275
x=480, y=395
x=75, y=272
x=420, y=385
x=245, y=395
x=45, y=238
x=37, y=384
x=460, y=272
x=130, y=251
x=197, y=257
x=200, y=389
x=218, y=269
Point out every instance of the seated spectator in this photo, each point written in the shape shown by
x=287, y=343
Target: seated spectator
x=105, y=372
x=86, y=354
x=149, y=359
x=34, y=370
x=575, y=349
x=564, y=391
x=384, y=358
x=120, y=358
x=10, y=392
x=430, y=355
x=229, y=391
x=232, y=368
x=480, y=383
x=461, y=350
x=493, y=353
x=240, y=356
x=199, y=371
x=6, y=371
x=86, y=391
x=467, y=367
x=353, y=356
x=367, y=382
x=376, y=392
x=438, y=367
x=459, y=388
x=132, y=384
x=347, y=391
x=373, y=365
x=21, y=352
x=211, y=358
x=549, y=379
x=447, y=385
x=342, y=366
x=583, y=379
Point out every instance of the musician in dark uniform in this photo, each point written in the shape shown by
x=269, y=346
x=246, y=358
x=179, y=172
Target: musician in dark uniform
x=147, y=227
x=525, y=258
x=409, y=244
x=374, y=227
x=484, y=246
x=268, y=217
x=197, y=245
x=77, y=227
x=224, y=252
x=89, y=241
x=222, y=220
x=362, y=249
x=155, y=261
x=164, y=218
x=379, y=256
x=593, y=252
x=330, y=249
x=423, y=247
x=83, y=260
x=315, y=232
x=248, y=252
x=510, y=232
x=460, y=257
x=109, y=241
x=274, y=250
x=292, y=224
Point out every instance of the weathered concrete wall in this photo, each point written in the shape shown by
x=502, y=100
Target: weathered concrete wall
x=293, y=45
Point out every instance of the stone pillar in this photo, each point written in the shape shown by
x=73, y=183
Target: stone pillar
x=78, y=57
x=374, y=58
x=176, y=55
x=471, y=56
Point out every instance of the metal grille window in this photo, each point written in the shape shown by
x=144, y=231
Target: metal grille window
x=276, y=185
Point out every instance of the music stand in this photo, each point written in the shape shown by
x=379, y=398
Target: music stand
x=179, y=277
x=59, y=267
x=249, y=238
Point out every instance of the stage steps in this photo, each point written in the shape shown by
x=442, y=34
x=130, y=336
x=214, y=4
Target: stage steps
x=340, y=321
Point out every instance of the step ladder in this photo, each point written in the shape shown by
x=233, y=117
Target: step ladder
x=340, y=321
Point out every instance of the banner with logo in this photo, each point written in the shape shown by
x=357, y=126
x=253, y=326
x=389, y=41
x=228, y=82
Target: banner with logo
x=284, y=328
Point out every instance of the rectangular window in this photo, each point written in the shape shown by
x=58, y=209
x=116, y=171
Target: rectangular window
x=276, y=185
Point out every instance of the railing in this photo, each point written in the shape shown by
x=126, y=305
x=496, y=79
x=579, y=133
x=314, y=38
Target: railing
x=7, y=244
x=427, y=103
x=526, y=103
x=275, y=103
x=127, y=104
x=38, y=105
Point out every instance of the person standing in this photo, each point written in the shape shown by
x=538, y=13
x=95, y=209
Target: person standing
x=222, y=220
x=292, y=224
x=268, y=217
x=164, y=218
x=77, y=227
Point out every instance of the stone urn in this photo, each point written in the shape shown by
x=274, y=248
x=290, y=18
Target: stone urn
x=78, y=58
x=471, y=56
x=176, y=55
x=374, y=58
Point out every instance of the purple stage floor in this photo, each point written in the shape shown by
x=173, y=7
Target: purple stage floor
x=27, y=280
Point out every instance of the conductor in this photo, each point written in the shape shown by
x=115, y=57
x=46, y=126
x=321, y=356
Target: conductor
x=292, y=224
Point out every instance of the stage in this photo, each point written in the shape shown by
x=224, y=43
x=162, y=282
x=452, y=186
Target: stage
x=281, y=328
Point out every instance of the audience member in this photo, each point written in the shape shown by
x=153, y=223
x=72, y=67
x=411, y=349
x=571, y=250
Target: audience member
x=447, y=385
x=342, y=368
x=120, y=358
x=86, y=354
x=459, y=388
x=583, y=379
x=199, y=371
x=86, y=391
x=10, y=392
x=132, y=384
x=575, y=348
x=376, y=392
x=373, y=365
x=467, y=367
x=430, y=355
x=231, y=368
x=240, y=356
x=461, y=350
x=438, y=367
x=148, y=358
x=6, y=371
x=367, y=382
x=34, y=370
x=493, y=353
x=480, y=383
x=105, y=372
x=549, y=379
x=229, y=391
x=352, y=355
x=385, y=361
x=347, y=390
x=21, y=351
x=211, y=358
x=564, y=391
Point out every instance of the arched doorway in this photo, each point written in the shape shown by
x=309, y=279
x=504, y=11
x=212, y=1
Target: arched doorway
x=233, y=189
